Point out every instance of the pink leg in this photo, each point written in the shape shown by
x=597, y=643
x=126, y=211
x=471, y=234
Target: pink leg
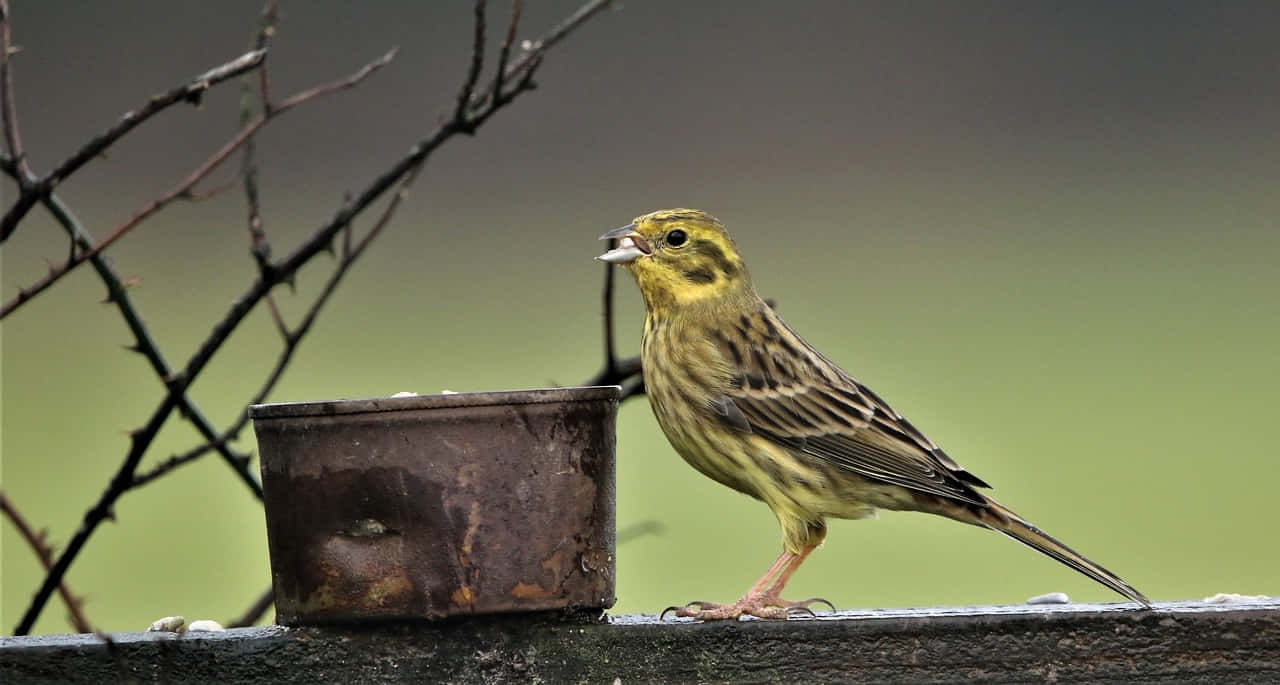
x=759, y=601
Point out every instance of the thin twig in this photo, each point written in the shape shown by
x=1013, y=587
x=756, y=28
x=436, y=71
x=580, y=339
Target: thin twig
x=193, y=195
x=610, y=357
x=267, y=29
x=536, y=49
x=624, y=372
x=500, y=74
x=258, y=245
x=187, y=457
x=255, y=611
x=43, y=552
x=277, y=317
x=213, y=162
x=280, y=271
x=144, y=344
x=473, y=73
x=292, y=338
x=639, y=530
x=335, y=86
x=8, y=103
x=190, y=91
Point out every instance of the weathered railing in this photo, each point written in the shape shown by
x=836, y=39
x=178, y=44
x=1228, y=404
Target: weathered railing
x=1176, y=642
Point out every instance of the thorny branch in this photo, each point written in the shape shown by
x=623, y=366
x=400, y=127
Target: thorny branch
x=183, y=188
x=32, y=191
x=258, y=245
x=280, y=271
x=8, y=110
x=292, y=338
x=350, y=254
x=44, y=552
x=144, y=344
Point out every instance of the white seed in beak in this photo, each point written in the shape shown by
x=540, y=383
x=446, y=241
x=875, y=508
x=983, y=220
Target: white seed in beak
x=625, y=253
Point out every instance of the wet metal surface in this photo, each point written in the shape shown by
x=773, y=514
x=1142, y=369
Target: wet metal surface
x=440, y=505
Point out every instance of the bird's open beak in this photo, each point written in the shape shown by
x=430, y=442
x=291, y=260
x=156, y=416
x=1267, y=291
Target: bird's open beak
x=631, y=246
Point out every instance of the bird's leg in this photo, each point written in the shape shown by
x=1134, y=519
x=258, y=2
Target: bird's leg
x=779, y=564
x=763, y=600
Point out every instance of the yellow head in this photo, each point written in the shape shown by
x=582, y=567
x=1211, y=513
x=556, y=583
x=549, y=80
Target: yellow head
x=679, y=257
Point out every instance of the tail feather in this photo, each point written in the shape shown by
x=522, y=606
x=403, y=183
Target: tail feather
x=1014, y=526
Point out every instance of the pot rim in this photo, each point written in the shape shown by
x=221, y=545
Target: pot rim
x=586, y=393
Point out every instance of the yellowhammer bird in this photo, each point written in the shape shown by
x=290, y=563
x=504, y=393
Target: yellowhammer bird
x=751, y=405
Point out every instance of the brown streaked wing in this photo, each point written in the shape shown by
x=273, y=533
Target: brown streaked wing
x=789, y=393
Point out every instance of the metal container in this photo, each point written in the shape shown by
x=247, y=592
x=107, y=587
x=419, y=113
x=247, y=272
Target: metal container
x=439, y=505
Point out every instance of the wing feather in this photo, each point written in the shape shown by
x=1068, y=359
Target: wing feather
x=785, y=391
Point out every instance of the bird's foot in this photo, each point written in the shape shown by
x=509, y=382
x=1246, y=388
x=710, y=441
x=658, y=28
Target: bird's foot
x=759, y=606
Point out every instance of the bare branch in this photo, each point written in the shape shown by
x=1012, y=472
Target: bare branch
x=402, y=171
x=473, y=73
x=44, y=552
x=145, y=344
x=194, y=195
x=539, y=47
x=255, y=611
x=625, y=372
x=277, y=317
x=291, y=340
x=187, y=457
x=258, y=245
x=335, y=86
x=610, y=357
x=213, y=162
x=190, y=91
x=266, y=29
x=8, y=105
x=517, y=7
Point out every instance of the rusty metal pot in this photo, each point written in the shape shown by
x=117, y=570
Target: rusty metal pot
x=440, y=505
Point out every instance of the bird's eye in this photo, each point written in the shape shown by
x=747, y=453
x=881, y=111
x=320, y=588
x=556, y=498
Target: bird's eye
x=677, y=238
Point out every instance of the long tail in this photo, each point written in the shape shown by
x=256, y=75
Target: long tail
x=998, y=518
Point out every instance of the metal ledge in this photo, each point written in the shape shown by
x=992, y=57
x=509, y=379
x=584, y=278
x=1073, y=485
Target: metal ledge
x=1176, y=642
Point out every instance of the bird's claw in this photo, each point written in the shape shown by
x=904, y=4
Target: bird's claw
x=763, y=607
x=802, y=609
x=817, y=600
x=686, y=610
x=800, y=612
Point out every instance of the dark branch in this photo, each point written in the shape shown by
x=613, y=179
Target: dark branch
x=8, y=105
x=625, y=372
x=44, y=552
x=292, y=338
x=460, y=113
x=199, y=173
x=144, y=344
x=281, y=271
x=190, y=91
x=258, y=245
x=517, y=8
x=255, y=611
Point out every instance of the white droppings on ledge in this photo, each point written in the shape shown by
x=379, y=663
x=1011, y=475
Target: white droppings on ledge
x=1050, y=598
x=1233, y=598
x=168, y=624
x=205, y=626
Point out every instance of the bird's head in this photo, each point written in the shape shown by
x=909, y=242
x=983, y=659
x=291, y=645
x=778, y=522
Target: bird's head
x=678, y=257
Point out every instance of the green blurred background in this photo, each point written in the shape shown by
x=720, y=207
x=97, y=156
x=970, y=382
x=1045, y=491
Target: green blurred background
x=1047, y=232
